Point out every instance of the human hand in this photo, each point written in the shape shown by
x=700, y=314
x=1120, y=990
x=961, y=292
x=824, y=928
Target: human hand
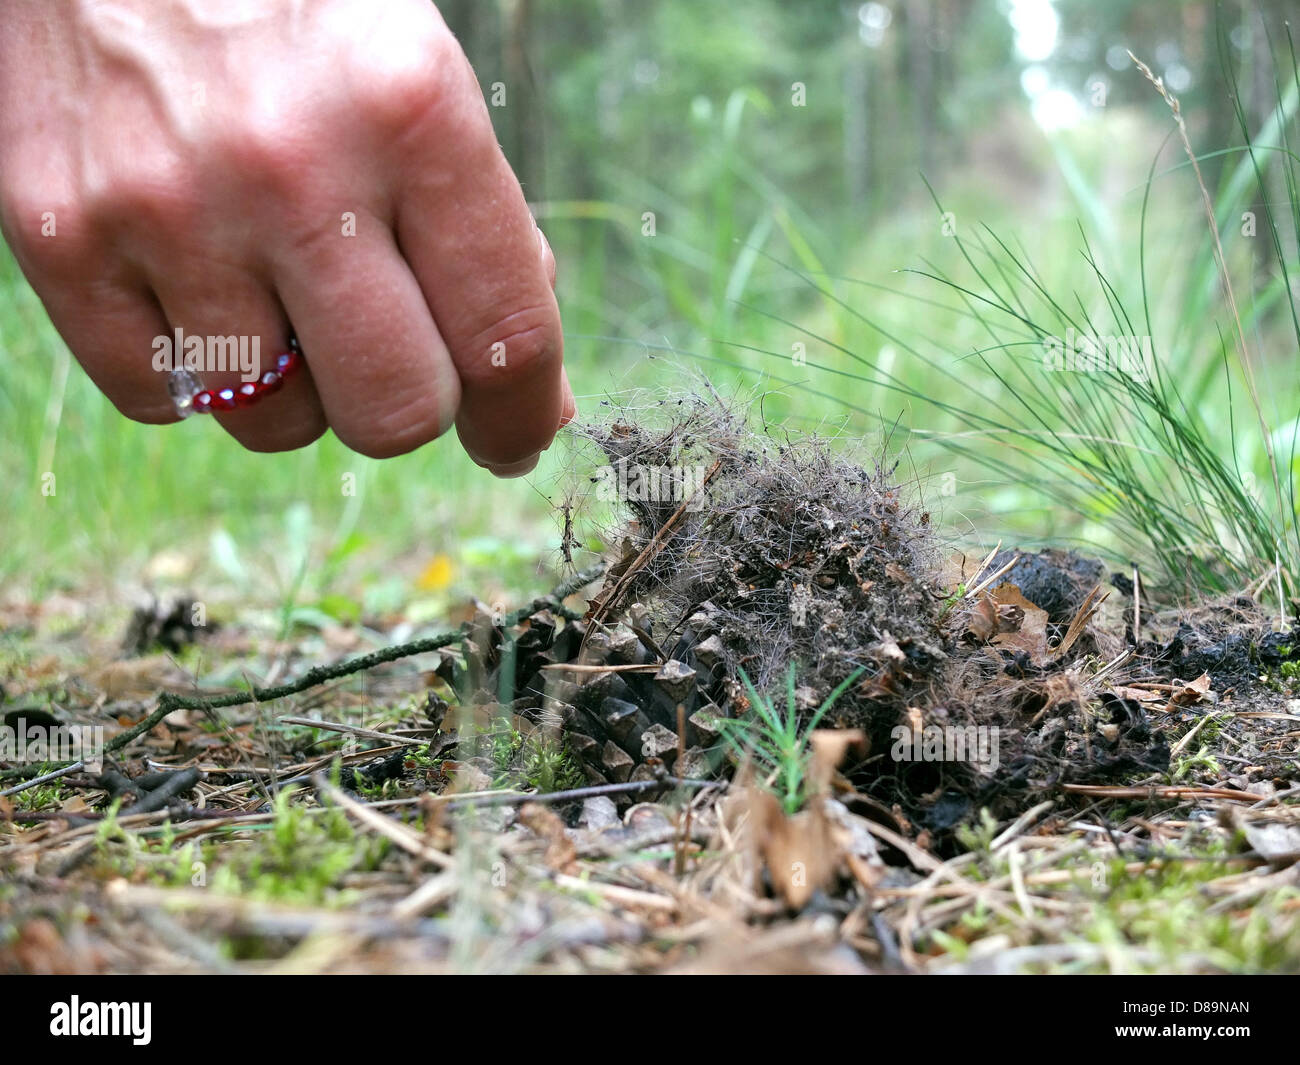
x=261, y=167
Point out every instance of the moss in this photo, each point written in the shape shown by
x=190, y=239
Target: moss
x=1159, y=918
x=300, y=857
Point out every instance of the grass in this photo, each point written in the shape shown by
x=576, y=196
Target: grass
x=1153, y=456
x=776, y=740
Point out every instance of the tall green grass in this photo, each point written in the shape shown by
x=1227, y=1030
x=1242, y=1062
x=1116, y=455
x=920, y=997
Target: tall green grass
x=1191, y=468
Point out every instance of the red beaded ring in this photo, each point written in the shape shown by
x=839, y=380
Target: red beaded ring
x=190, y=397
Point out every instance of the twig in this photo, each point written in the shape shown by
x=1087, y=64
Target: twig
x=169, y=702
x=632, y=787
x=353, y=730
x=984, y=565
x=621, y=896
x=585, y=667
x=1137, y=606
x=1106, y=791
x=656, y=544
x=1020, y=824
x=175, y=784
x=44, y=778
x=993, y=576
x=1086, y=612
x=406, y=838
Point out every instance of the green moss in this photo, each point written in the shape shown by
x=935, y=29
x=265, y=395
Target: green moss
x=300, y=857
x=1156, y=919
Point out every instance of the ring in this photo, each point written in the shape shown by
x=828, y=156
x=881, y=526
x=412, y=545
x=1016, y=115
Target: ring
x=190, y=397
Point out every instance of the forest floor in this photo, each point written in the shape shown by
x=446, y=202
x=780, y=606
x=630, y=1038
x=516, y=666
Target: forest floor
x=986, y=762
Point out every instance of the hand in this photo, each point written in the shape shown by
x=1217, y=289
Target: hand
x=256, y=167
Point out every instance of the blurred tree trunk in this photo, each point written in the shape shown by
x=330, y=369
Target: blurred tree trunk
x=921, y=78
x=857, y=122
x=524, y=105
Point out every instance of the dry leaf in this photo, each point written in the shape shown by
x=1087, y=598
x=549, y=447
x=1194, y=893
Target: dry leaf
x=1269, y=839
x=1030, y=631
x=796, y=849
x=1138, y=695
x=561, y=853
x=1189, y=693
x=829, y=748
x=137, y=678
x=982, y=625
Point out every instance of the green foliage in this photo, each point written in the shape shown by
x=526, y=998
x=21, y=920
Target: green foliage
x=534, y=762
x=777, y=739
x=299, y=858
x=979, y=837
x=548, y=767
x=1163, y=913
x=1190, y=764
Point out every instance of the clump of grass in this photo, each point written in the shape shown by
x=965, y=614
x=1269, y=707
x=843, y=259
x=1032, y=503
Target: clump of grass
x=1124, y=436
x=1162, y=915
x=777, y=739
x=536, y=762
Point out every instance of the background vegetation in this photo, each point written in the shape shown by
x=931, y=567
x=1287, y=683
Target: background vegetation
x=792, y=159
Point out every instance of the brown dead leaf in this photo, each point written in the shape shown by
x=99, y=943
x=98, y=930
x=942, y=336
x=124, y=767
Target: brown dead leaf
x=137, y=678
x=39, y=949
x=1189, y=693
x=1270, y=840
x=982, y=625
x=561, y=853
x=829, y=748
x=1138, y=695
x=800, y=850
x=895, y=572
x=466, y=778
x=797, y=849
x=1022, y=626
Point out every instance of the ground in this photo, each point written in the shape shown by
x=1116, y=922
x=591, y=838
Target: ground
x=617, y=778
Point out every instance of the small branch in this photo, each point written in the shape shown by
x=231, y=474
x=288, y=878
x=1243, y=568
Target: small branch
x=1137, y=606
x=632, y=787
x=400, y=834
x=44, y=778
x=352, y=730
x=168, y=702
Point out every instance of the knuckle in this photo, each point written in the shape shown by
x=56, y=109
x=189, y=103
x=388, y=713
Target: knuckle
x=409, y=78
x=50, y=232
x=395, y=431
x=524, y=345
x=268, y=154
x=160, y=196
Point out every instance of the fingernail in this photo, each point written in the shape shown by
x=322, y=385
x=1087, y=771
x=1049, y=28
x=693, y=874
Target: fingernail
x=514, y=469
x=569, y=405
